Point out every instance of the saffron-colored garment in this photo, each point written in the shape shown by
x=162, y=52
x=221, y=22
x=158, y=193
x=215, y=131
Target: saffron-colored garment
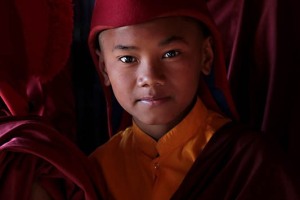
x=135, y=166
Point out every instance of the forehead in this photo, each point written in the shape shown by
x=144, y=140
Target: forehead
x=181, y=26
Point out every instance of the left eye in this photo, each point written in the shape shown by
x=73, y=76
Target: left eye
x=171, y=54
x=127, y=59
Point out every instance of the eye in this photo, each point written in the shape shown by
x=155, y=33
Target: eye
x=171, y=54
x=127, y=59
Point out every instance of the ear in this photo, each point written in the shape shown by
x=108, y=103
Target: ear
x=102, y=68
x=207, y=56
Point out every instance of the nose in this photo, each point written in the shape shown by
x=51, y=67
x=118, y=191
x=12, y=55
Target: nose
x=150, y=74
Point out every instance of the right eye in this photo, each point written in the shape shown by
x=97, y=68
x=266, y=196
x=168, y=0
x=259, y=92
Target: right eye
x=127, y=59
x=171, y=54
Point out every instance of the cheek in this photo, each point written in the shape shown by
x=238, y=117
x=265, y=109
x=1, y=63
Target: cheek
x=188, y=79
x=188, y=72
x=117, y=83
x=122, y=83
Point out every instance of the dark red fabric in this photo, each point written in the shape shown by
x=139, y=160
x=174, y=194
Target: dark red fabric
x=35, y=79
x=43, y=30
x=262, y=52
x=237, y=164
x=31, y=151
x=250, y=33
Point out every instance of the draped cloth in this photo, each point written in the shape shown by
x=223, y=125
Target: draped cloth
x=35, y=77
x=237, y=164
x=262, y=55
x=33, y=152
x=35, y=39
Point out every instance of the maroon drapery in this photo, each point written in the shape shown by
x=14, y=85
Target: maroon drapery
x=262, y=48
x=31, y=151
x=35, y=78
x=237, y=164
x=35, y=38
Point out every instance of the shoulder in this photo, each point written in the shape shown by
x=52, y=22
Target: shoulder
x=246, y=150
x=235, y=135
x=238, y=135
x=243, y=160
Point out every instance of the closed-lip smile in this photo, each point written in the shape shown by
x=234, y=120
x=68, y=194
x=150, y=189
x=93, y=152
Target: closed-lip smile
x=153, y=100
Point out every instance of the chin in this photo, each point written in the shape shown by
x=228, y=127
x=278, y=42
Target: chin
x=157, y=120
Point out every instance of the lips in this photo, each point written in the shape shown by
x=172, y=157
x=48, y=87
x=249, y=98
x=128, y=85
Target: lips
x=153, y=100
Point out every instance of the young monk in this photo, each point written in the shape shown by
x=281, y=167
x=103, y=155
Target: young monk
x=164, y=63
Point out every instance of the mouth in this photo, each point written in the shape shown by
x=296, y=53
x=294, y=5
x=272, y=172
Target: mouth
x=153, y=100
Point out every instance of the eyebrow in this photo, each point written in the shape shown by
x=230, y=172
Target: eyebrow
x=124, y=47
x=166, y=41
x=171, y=39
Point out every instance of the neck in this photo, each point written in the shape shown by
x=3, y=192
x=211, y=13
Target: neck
x=157, y=131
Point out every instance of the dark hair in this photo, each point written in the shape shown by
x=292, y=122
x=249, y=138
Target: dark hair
x=206, y=32
x=97, y=45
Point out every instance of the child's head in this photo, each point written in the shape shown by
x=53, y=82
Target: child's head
x=153, y=55
x=154, y=67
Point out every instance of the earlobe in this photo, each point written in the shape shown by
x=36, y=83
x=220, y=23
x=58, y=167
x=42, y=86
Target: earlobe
x=102, y=69
x=208, y=56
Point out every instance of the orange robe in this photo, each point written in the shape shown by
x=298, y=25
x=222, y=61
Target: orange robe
x=135, y=166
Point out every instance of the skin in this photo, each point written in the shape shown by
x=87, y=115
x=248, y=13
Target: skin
x=154, y=69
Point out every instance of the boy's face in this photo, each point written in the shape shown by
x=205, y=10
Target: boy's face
x=154, y=68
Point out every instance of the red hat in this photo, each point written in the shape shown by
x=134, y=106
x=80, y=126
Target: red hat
x=214, y=90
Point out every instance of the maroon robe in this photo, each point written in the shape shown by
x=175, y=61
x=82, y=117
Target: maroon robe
x=33, y=152
x=237, y=164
